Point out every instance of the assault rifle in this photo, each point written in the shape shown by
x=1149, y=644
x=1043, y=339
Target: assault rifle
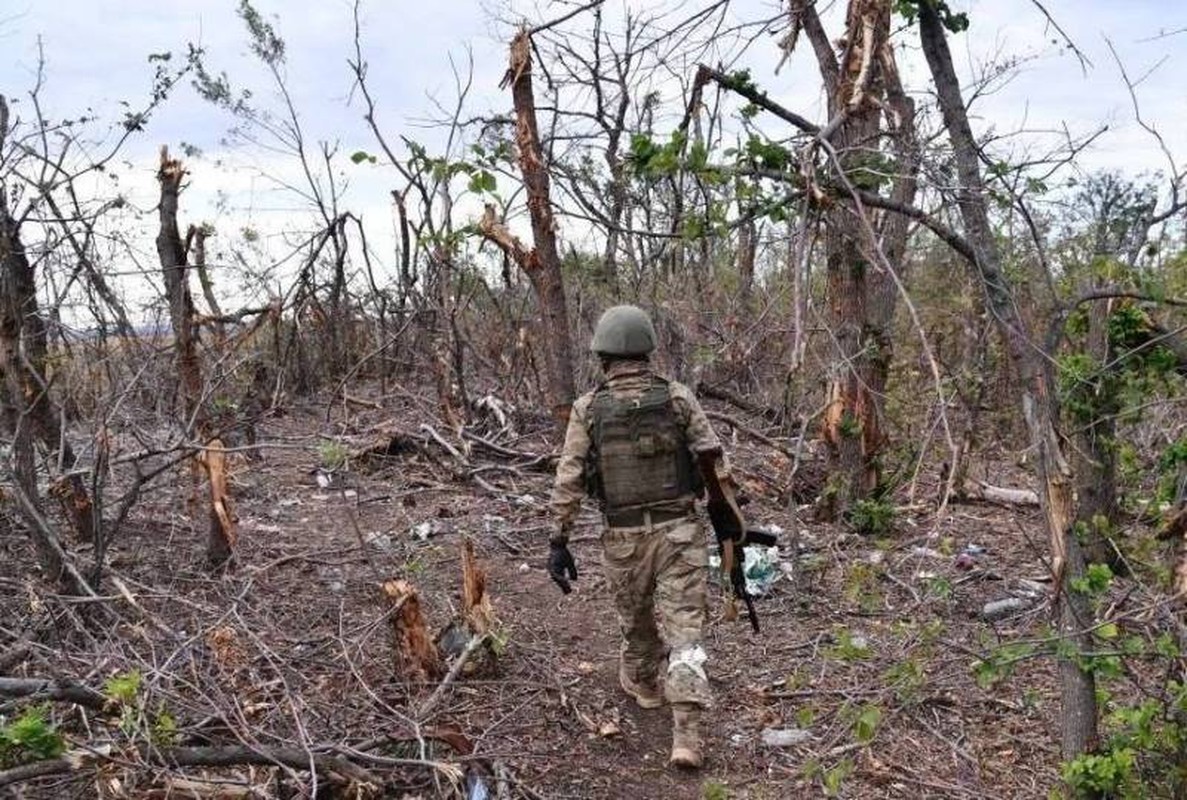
x=730, y=541
x=732, y=535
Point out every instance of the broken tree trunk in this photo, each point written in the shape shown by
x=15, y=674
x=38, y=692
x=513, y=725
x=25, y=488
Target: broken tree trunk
x=1039, y=406
x=220, y=547
x=416, y=657
x=862, y=87
x=173, y=253
x=542, y=263
x=476, y=605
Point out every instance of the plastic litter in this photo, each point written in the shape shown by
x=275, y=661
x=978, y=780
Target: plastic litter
x=964, y=562
x=1000, y=609
x=476, y=788
x=784, y=737
x=761, y=568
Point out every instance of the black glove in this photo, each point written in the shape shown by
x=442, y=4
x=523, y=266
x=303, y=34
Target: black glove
x=561, y=566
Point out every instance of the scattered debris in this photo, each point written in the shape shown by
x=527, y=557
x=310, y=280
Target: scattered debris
x=423, y=530
x=785, y=737
x=1006, y=607
x=379, y=540
x=761, y=567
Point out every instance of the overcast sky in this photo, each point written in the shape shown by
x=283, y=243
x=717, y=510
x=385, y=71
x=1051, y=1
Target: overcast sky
x=96, y=56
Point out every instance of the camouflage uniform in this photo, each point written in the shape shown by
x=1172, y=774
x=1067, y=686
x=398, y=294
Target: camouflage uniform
x=658, y=564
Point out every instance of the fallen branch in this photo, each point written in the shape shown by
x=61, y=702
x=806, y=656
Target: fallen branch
x=979, y=490
x=704, y=389
x=751, y=432
x=52, y=689
x=366, y=783
x=15, y=655
x=439, y=439
x=459, y=663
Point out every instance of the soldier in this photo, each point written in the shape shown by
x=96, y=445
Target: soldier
x=640, y=445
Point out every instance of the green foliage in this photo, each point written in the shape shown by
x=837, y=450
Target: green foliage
x=652, y=161
x=954, y=22
x=740, y=81
x=1104, y=775
x=865, y=727
x=939, y=587
x=835, y=777
x=1000, y=663
x=1142, y=754
x=30, y=737
x=1079, y=389
x=850, y=647
x=715, y=790
x=1096, y=580
x=763, y=154
x=1170, y=464
x=861, y=586
x=164, y=729
x=906, y=678
x=849, y=426
x=332, y=455
x=123, y=688
x=872, y=517
x=265, y=43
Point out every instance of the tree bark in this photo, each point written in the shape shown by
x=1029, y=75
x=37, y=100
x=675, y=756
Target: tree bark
x=861, y=292
x=1039, y=405
x=173, y=254
x=541, y=264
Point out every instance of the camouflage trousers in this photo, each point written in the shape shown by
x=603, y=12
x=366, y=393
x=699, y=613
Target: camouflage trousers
x=658, y=575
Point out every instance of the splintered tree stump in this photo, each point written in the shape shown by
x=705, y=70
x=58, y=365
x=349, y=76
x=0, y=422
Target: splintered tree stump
x=416, y=657
x=220, y=546
x=478, y=612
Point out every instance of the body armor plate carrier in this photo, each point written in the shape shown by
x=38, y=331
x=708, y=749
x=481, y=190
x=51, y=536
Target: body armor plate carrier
x=639, y=456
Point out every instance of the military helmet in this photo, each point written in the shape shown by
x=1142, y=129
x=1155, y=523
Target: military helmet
x=624, y=331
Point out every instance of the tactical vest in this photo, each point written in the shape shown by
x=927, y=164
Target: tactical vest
x=639, y=454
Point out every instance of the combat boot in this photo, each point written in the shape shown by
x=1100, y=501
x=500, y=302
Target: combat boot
x=686, y=736
x=647, y=695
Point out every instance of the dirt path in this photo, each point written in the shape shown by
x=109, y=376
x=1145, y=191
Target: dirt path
x=868, y=651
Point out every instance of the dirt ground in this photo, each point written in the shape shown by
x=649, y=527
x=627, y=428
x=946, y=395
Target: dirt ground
x=866, y=645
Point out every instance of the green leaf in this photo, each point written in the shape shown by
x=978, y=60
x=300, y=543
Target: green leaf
x=123, y=688
x=359, y=156
x=1107, y=631
x=867, y=724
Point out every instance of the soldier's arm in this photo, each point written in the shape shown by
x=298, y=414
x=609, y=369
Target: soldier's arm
x=568, y=488
x=711, y=461
x=702, y=439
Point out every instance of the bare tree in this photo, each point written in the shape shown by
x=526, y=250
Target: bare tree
x=541, y=263
x=1038, y=399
